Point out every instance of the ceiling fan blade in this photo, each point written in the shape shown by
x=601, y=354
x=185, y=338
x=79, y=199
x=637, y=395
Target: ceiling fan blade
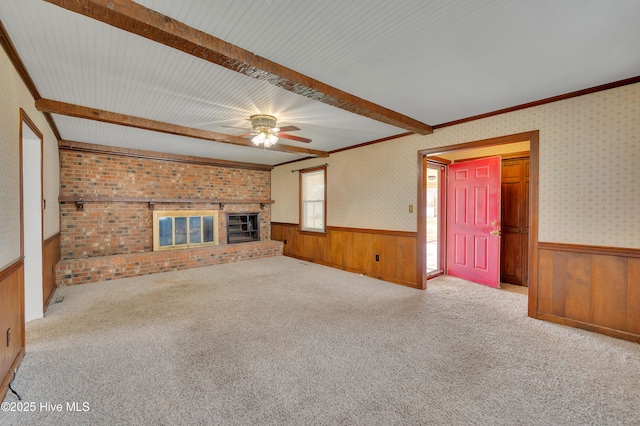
x=241, y=128
x=293, y=138
x=288, y=129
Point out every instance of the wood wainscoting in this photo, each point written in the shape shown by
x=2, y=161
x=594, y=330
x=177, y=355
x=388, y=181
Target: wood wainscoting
x=354, y=250
x=11, y=321
x=50, y=256
x=590, y=287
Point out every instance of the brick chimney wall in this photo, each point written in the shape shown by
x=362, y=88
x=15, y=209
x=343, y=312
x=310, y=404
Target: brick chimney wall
x=108, y=228
x=101, y=242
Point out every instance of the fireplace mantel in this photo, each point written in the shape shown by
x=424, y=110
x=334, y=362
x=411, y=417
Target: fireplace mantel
x=82, y=200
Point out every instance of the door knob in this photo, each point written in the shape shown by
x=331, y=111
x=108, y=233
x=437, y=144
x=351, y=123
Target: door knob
x=495, y=232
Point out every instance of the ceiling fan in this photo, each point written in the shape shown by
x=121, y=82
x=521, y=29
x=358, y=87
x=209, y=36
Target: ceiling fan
x=266, y=133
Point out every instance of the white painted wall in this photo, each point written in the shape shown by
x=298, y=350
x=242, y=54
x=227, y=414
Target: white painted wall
x=32, y=193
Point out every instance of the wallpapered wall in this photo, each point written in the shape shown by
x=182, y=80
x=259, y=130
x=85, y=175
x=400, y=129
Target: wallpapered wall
x=13, y=96
x=589, y=171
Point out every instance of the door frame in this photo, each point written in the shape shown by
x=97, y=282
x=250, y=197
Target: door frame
x=442, y=210
x=534, y=162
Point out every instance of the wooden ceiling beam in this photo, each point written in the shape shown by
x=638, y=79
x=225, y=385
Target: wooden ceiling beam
x=137, y=19
x=70, y=110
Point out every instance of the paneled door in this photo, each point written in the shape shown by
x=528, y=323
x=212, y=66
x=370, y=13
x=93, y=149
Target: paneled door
x=473, y=221
x=514, y=250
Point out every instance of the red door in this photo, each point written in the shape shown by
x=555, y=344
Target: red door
x=473, y=221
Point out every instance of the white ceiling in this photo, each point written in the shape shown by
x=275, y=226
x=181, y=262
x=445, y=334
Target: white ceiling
x=434, y=61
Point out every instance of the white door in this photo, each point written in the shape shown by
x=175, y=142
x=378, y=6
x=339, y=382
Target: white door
x=32, y=210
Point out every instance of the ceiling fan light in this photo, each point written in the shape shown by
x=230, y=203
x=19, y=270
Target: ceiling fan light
x=271, y=140
x=265, y=125
x=259, y=138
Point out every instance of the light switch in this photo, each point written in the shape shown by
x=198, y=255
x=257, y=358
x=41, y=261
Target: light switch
x=410, y=208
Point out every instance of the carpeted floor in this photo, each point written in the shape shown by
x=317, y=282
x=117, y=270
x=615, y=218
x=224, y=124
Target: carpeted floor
x=514, y=288
x=280, y=341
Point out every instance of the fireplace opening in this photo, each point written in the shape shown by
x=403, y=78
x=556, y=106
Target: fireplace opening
x=243, y=227
x=176, y=229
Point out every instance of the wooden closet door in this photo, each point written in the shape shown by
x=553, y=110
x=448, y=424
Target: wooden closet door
x=515, y=221
x=525, y=224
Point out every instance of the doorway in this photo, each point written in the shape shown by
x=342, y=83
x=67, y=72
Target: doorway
x=32, y=220
x=425, y=155
x=473, y=220
x=434, y=187
x=510, y=229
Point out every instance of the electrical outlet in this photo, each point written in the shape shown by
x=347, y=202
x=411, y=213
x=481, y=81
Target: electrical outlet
x=377, y=258
x=8, y=336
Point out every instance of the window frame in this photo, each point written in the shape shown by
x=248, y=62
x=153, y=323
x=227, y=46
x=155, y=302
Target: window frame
x=301, y=202
x=173, y=214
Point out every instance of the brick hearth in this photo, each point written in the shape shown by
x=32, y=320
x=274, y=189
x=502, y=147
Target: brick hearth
x=105, y=268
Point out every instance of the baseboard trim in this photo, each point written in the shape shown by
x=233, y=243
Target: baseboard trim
x=589, y=327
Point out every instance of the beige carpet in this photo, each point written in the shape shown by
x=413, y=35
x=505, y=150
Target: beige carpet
x=279, y=341
x=514, y=288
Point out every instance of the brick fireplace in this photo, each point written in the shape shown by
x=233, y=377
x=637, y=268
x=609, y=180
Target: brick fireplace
x=107, y=206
